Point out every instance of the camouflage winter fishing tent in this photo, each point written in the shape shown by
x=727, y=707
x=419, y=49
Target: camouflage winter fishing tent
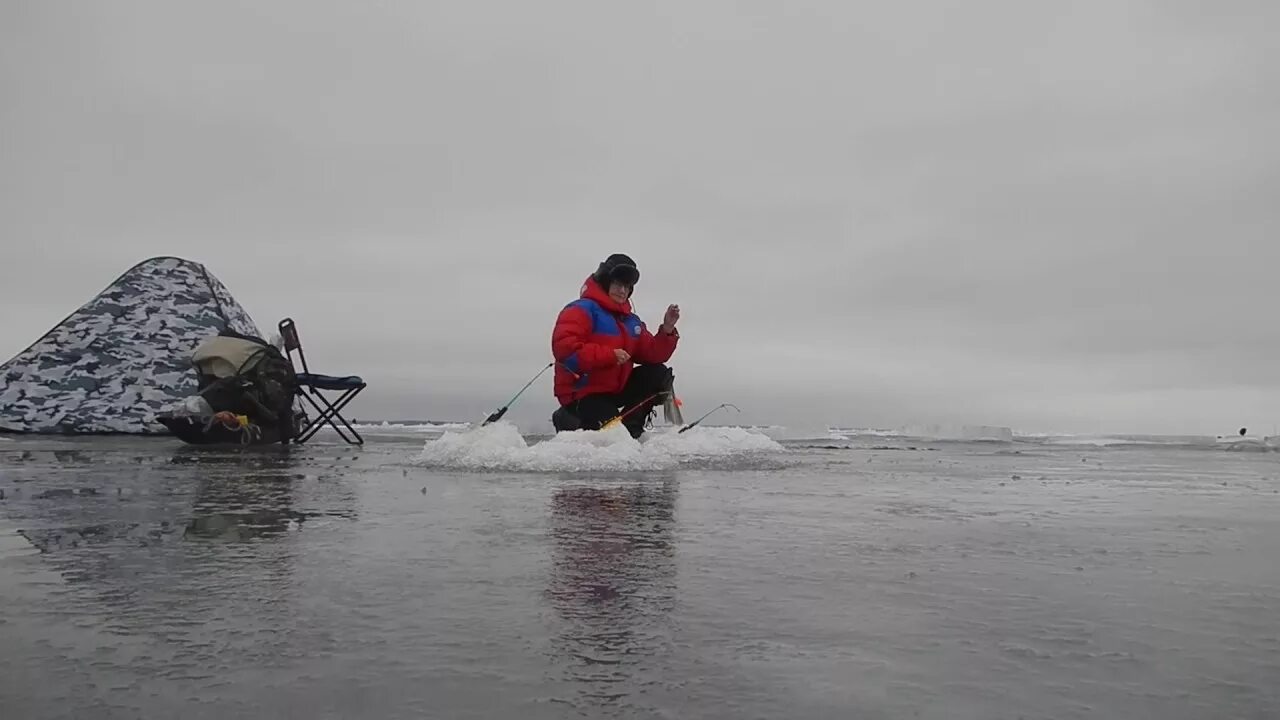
x=123, y=357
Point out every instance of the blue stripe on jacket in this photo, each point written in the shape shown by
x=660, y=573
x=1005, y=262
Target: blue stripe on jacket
x=603, y=322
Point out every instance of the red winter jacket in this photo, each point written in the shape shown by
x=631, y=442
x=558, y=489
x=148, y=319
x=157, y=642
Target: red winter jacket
x=585, y=336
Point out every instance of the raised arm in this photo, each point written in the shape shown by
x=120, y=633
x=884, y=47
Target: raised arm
x=656, y=348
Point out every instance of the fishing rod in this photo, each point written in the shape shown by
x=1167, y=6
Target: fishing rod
x=497, y=414
x=704, y=416
x=619, y=418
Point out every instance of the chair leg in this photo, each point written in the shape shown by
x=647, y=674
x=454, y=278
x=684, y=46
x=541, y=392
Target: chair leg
x=334, y=412
x=322, y=418
x=327, y=414
x=345, y=398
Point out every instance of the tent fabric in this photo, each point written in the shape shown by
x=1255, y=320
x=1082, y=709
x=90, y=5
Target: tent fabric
x=123, y=357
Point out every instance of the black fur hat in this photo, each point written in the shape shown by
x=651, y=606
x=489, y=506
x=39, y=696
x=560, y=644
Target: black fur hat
x=617, y=267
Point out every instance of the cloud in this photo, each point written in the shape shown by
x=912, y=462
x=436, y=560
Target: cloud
x=1059, y=217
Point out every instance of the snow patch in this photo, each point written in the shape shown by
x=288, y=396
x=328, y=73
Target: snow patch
x=500, y=446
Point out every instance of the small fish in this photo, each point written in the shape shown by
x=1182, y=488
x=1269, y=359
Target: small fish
x=671, y=406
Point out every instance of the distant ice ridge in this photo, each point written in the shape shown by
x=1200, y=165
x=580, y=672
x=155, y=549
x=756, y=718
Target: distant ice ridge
x=501, y=447
x=1249, y=442
x=939, y=432
x=1113, y=440
x=1229, y=442
x=413, y=427
x=779, y=433
x=845, y=433
x=783, y=433
x=1081, y=440
x=931, y=431
x=971, y=433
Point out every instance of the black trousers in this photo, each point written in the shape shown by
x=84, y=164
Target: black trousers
x=647, y=383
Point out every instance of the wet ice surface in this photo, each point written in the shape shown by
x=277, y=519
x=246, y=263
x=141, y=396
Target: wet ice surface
x=160, y=581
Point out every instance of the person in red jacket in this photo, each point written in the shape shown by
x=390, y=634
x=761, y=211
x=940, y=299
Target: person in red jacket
x=607, y=361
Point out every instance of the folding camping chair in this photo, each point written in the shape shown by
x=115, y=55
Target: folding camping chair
x=311, y=384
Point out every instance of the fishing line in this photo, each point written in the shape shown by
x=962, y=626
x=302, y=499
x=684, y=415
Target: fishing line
x=497, y=414
x=704, y=416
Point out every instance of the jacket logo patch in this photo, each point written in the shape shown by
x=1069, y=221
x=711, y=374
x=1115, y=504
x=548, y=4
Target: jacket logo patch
x=635, y=330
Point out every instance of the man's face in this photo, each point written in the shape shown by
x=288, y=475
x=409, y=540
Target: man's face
x=619, y=292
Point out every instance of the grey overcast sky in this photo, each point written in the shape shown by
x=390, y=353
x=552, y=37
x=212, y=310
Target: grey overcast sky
x=1056, y=216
